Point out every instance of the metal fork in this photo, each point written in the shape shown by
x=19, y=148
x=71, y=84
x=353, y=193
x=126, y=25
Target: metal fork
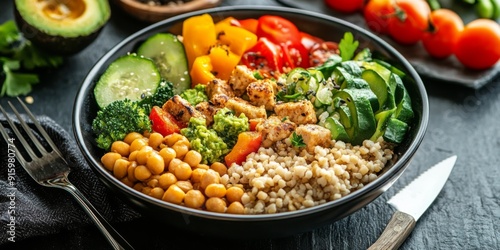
x=51, y=170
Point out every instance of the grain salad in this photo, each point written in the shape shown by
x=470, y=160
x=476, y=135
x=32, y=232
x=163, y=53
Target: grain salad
x=288, y=179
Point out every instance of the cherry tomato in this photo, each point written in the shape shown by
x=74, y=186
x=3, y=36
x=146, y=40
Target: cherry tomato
x=277, y=29
x=345, y=6
x=284, y=33
x=320, y=52
x=264, y=56
x=446, y=26
x=477, y=46
x=410, y=21
x=249, y=24
x=377, y=13
x=164, y=122
x=308, y=40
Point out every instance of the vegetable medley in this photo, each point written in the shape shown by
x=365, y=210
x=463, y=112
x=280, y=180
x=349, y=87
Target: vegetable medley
x=183, y=114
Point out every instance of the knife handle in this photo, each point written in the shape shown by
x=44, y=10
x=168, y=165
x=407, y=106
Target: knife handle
x=395, y=233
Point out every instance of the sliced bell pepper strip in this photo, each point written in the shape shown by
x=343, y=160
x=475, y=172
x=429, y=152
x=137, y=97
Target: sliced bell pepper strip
x=199, y=35
x=238, y=39
x=223, y=61
x=201, y=71
x=248, y=142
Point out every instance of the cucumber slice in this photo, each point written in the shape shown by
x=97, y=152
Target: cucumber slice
x=170, y=57
x=128, y=77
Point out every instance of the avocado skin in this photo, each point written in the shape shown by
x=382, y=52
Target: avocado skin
x=57, y=45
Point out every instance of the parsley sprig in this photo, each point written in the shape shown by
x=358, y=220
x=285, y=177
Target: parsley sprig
x=18, y=56
x=297, y=140
x=348, y=46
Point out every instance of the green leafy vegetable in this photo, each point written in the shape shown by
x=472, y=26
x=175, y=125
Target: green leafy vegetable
x=348, y=46
x=297, y=140
x=18, y=54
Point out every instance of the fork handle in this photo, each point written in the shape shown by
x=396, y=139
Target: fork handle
x=114, y=238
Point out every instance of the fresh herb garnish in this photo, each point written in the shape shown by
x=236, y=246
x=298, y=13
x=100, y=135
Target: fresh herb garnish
x=18, y=54
x=348, y=46
x=297, y=140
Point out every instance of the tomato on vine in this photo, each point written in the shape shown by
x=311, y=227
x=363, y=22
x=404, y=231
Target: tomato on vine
x=377, y=14
x=345, y=6
x=477, y=46
x=445, y=27
x=410, y=20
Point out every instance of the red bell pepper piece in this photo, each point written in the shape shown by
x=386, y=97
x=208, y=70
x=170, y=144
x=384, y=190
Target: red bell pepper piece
x=164, y=122
x=248, y=142
x=265, y=55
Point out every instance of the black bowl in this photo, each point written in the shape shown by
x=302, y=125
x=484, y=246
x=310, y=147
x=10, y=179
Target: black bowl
x=265, y=225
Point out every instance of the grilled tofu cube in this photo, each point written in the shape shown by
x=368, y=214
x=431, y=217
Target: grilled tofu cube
x=261, y=93
x=181, y=109
x=314, y=135
x=239, y=106
x=274, y=129
x=218, y=87
x=240, y=78
x=208, y=110
x=301, y=112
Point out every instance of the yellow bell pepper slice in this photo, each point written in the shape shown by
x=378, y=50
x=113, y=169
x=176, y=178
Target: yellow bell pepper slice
x=201, y=72
x=237, y=38
x=199, y=35
x=223, y=61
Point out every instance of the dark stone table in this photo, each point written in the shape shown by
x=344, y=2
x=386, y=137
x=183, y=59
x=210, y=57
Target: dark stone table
x=463, y=121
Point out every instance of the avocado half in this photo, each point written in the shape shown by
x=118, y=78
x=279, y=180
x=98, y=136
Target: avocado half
x=61, y=26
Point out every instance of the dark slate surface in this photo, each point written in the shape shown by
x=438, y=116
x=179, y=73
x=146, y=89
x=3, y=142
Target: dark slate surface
x=463, y=121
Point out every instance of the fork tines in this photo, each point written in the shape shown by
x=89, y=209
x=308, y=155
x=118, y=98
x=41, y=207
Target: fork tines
x=28, y=131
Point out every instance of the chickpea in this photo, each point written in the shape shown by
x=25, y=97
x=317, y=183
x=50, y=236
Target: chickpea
x=155, y=139
x=184, y=185
x=120, y=168
x=130, y=171
x=181, y=149
x=143, y=155
x=142, y=173
x=174, y=163
x=203, y=166
x=109, y=159
x=216, y=204
x=183, y=171
x=130, y=137
x=168, y=154
x=138, y=143
x=215, y=190
x=219, y=168
x=174, y=194
x=193, y=158
x=133, y=156
x=194, y=199
x=121, y=148
x=197, y=174
x=171, y=139
x=138, y=186
x=155, y=163
x=152, y=183
x=127, y=182
x=234, y=194
x=146, y=190
x=166, y=180
x=208, y=178
x=157, y=192
x=236, y=208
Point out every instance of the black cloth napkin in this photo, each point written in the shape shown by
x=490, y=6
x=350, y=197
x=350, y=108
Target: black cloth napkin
x=29, y=210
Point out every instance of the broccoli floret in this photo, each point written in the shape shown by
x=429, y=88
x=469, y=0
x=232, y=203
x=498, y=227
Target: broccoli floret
x=117, y=119
x=228, y=126
x=164, y=92
x=195, y=95
x=204, y=140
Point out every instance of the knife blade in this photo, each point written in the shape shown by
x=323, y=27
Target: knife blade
x=411, y=202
